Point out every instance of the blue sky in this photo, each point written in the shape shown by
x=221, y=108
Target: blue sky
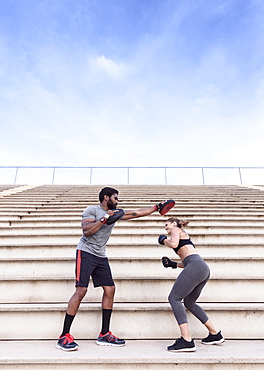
x=131, y=82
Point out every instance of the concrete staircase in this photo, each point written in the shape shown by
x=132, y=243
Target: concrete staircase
x=39, y=230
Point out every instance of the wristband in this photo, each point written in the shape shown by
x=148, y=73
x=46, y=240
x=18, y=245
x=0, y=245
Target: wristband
x=156, y=208
x=104, y=218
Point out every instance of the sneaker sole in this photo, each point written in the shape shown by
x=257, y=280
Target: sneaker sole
x=215, y=342
x=66, y=349
x=109, y=344
x=182, y=350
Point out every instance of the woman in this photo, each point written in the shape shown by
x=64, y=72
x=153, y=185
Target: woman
x=188, y=286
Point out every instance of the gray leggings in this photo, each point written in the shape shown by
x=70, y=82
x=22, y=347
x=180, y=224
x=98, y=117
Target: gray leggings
x=188, y=286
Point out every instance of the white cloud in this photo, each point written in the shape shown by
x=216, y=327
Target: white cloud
x=109, y=67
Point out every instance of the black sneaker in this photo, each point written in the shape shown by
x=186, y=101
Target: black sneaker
x=181, y=345
x=214, y=339
x=66, y=343
x=109, y=339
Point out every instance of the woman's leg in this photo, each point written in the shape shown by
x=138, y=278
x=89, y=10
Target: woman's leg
x=179, y=290
x=191, y=305
x=196, y=310
x=212, y=330
x=188, y=286
x=185, y=332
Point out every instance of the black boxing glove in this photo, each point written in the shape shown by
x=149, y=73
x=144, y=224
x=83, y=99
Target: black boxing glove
x=168, y=263
x=161, y=239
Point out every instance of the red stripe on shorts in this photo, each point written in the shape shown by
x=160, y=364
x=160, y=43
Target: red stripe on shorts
x=78, y=264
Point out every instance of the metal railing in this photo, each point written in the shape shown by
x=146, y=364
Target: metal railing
x=56, y=175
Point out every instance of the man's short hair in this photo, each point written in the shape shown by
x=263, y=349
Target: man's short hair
x=107, y=191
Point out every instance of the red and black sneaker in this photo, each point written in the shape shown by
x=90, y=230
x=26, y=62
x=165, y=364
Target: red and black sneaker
x=66, y=343
x=109, y=339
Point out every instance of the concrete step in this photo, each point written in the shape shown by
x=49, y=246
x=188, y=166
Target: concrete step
x=130, y=201
x=151, y=266
x=47, y=203
x=58, y=249
x=72, y=221
x=134, y=196
x=146, y=226
x=14, y=189
x=226, y=250
x=143, y=232
x=186, y=214
x=137, y=236
x=54, y=289
x=136, y=354
x=148, y=189
x=8, y=223
x=129, y=320
x=176, y=211
x=129, y=197
x=154, y=194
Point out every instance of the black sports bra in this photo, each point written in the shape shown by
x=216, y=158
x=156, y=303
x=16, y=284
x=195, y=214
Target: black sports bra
x=183, y=242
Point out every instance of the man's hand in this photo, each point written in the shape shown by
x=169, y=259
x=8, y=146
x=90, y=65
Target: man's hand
x=117, y=214
x=164, y=206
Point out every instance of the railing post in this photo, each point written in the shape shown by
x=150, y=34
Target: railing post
x=16, y=176
x=203, y=175
x=53, y=176
x=239, y=170
x=165, y=176
x=91, y=170
x=127, y=175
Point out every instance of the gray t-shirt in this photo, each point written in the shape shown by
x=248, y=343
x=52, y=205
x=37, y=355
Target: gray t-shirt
x=96, y=243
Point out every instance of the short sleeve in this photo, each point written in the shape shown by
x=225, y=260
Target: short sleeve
x=89, y=212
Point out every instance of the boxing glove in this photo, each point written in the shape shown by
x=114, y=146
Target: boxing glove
x=168, y=263
x=161, y=239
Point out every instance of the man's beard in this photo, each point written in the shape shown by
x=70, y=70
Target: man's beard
x=111, y=205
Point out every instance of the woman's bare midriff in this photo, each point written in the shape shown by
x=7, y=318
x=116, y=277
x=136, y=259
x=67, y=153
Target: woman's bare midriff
x=186, y=251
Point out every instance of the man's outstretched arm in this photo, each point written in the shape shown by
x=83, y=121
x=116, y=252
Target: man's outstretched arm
x=163, y=207
x=139, y=213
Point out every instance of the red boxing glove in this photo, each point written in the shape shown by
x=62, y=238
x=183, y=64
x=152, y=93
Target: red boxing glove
x=163, y=208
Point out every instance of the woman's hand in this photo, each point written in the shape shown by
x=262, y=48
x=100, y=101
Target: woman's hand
x=168, y=263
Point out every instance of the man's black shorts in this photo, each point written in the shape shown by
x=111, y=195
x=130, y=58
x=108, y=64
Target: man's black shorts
x=88, y=265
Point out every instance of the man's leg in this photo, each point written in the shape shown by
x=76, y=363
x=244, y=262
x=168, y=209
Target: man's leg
x=107, y=306
x=106, y=338
x=66, y=340
x=84, y=268
x=102, y=276
x=72, y=309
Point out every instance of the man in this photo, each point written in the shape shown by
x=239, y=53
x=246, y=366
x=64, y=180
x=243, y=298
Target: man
x=97, y=224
